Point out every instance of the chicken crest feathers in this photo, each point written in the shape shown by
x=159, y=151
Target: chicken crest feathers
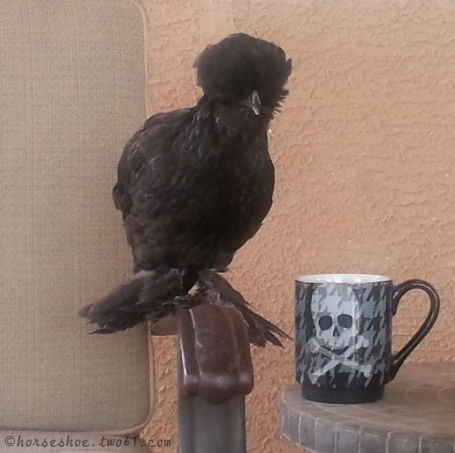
x=231, y=69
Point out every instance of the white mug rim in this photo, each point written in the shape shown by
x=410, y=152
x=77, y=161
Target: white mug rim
x=343, y=279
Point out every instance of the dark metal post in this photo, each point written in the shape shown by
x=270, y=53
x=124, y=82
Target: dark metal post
x=214, y=375
x=206, y=427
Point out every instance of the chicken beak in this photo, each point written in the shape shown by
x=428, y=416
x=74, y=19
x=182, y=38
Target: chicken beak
x=254, y=102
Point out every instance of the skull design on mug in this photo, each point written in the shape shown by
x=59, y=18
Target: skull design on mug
x=336, y=319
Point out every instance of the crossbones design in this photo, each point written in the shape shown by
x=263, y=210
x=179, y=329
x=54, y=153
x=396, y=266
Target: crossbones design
x=337, y=337
x=339, y=359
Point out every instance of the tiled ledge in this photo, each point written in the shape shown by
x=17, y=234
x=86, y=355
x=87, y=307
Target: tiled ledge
x=417, y=415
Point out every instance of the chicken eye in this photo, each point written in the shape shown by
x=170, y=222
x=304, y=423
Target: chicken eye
x=345, y=321
x=325, y=322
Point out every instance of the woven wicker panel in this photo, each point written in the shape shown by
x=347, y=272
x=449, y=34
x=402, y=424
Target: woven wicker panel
x=72, y=83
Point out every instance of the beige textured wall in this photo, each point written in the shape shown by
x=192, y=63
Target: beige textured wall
x=364, y=155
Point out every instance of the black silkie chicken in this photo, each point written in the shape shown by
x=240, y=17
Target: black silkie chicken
x=194, y=185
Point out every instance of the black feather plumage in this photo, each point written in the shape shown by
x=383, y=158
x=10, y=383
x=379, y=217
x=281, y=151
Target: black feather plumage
x=195, y=184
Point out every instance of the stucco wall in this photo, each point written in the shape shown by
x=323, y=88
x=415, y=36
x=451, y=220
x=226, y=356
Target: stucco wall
x=364, y=155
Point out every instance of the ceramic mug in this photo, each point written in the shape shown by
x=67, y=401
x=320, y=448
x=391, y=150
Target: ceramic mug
x=344, y=333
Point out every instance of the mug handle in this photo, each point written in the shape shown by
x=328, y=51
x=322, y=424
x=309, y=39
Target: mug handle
x=398, y=292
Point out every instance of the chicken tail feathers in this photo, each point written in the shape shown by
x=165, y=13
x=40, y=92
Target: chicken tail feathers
x=152, y=295
x=142, y=298
x=216, y=289
x=260, y=330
